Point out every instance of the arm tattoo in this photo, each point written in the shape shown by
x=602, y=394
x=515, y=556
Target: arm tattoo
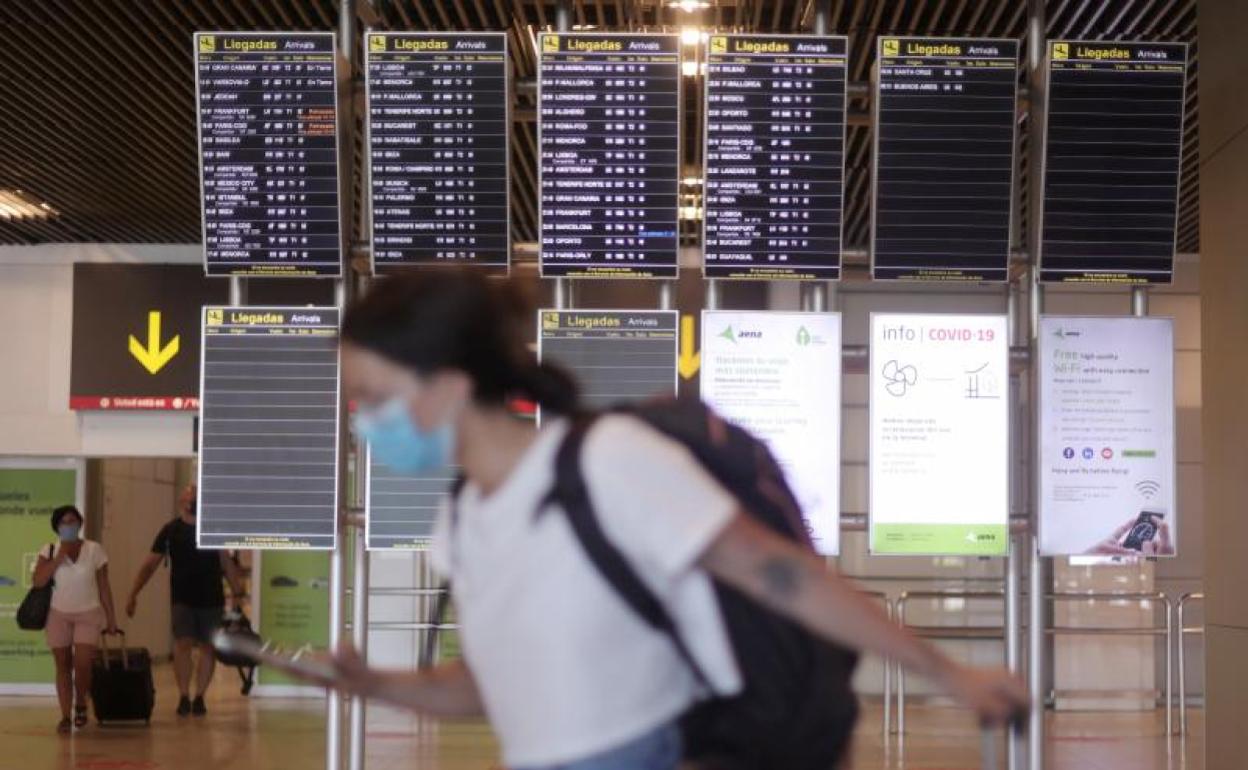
x=782, y=577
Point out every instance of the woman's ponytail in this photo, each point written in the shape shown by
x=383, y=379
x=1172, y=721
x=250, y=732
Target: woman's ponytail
x=549, y=386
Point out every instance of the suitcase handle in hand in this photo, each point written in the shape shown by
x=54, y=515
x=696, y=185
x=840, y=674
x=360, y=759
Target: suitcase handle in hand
x=125, y=658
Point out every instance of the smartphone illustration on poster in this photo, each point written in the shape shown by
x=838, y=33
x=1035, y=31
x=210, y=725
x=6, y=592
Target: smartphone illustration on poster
x=1144, y=529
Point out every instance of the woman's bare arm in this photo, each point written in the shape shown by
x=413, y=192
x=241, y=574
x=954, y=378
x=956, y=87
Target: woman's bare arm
x=796, y=583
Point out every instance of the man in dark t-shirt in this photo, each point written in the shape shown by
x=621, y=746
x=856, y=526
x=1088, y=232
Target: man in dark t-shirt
x=198, y=598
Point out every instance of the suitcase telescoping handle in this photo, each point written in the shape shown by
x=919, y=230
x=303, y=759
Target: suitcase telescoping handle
x=125, y=657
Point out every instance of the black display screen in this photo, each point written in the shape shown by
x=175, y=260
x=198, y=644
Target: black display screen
x=1113, y=148
x=402, y=508
x=616, y=356
x=609, y=138
x=268, y=452
x=775, y=156
x=945, y=117
x=437, y=132
x=268, y=148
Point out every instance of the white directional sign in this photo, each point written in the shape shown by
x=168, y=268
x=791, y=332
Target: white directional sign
x=779, y=376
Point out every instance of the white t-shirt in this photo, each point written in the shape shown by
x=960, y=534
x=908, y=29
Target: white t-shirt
x=565, y=668
x=76, y=589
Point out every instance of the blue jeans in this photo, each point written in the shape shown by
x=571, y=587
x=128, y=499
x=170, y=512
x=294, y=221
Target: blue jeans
x=659, y=749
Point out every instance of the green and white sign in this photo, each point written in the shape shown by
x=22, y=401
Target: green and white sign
x=1107, y=459
x=939, y=434
x=29, y=491
x=294, y=604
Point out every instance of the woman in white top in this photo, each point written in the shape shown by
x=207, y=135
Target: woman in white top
x=82, y=607
x=569, y=677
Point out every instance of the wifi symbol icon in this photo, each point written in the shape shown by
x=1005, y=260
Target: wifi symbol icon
x=1148, y=488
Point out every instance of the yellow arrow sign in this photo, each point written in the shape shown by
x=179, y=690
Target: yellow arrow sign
x=153, y=356
x=690, y=359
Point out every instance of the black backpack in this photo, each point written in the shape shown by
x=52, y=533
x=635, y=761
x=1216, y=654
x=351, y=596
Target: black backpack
x=797, y=709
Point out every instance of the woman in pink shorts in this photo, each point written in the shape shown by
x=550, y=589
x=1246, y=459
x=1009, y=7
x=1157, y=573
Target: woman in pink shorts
x=82, y=607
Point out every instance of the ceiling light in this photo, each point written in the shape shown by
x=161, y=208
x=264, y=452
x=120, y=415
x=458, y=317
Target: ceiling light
x=690, y=35
x=19, y=205
x=689, y=68
x=689, y=6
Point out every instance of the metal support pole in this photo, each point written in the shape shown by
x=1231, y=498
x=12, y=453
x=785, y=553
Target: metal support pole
x=344, y=291
x=563, y=16
x=238, y=291
x=890, y=608
x=359, y=639
x=713, y=300
x=1013, y=634
x=822, y=11
x=1037, y=640
x=1169, y=606
x=901, y=677
x=667, y=295
x=819, y=297
x=1139, y=301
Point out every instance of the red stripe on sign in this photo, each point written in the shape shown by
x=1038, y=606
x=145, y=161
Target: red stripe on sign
x=164, y=403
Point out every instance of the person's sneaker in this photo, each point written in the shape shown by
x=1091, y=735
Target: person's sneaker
x=184, y=706
x=197, y=707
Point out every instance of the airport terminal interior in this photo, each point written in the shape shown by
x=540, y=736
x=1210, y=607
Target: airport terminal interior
x=974, y=271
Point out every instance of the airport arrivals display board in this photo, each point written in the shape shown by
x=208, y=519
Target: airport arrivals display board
x=268, y=152
x=438, y=121
x=1107, y=436
x=401, y=508
x=774, y=143
x=1113, y=149
x=268, y=451
x=945, y=117
x=778, y=375
x=616, y=356
x=609, y=142
x=939, y=429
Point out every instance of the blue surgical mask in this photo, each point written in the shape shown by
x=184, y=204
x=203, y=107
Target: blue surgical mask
x=400, y=443
x=68, y=533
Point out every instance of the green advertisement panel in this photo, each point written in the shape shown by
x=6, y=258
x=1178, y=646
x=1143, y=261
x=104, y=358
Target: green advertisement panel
x=294, y=604
x=27, y=498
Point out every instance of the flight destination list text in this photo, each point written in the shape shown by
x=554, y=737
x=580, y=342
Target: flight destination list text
x=438, y=127
x=944, y=159
x=269, y=153
x=608, y=120
x=775, y=146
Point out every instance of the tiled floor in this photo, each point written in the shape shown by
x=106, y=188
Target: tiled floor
x=283, y=734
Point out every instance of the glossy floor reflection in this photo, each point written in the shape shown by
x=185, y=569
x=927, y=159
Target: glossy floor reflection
x=288, y=734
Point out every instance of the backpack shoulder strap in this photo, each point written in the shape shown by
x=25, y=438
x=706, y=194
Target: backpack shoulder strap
x=572, y=494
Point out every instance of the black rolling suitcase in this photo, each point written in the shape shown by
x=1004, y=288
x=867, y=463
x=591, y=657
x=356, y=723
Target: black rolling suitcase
x=121, y=683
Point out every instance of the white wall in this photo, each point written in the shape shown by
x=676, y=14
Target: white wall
x=36, y=322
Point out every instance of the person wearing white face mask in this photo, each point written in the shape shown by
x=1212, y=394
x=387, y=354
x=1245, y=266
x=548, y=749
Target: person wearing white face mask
x=569, y=677
x=82, y=607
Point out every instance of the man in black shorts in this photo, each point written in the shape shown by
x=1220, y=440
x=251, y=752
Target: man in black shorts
x=198, y=598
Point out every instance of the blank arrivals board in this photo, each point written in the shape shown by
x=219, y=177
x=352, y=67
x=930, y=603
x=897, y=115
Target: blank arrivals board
x=437, y=128
x=268, y=148
x=609, y=137
x=1113, y=149
x=268, y=455
x=402, y=508
x=945, y=116
x=775, y=156
x=616, y=356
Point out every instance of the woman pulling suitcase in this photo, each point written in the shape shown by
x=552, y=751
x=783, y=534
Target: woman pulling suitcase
x=82, y=607
x=568, y=674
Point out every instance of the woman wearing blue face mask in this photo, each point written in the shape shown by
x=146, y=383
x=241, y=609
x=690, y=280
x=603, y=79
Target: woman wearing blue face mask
x=569, y=676
x=82, y=607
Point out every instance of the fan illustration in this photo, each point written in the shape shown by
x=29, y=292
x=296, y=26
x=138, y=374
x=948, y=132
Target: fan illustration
x=899, y=378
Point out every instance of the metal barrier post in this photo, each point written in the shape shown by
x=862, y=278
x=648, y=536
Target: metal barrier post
x=888, y=676
x=1169, y=665
x=1181, y=634
x=901, y=674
